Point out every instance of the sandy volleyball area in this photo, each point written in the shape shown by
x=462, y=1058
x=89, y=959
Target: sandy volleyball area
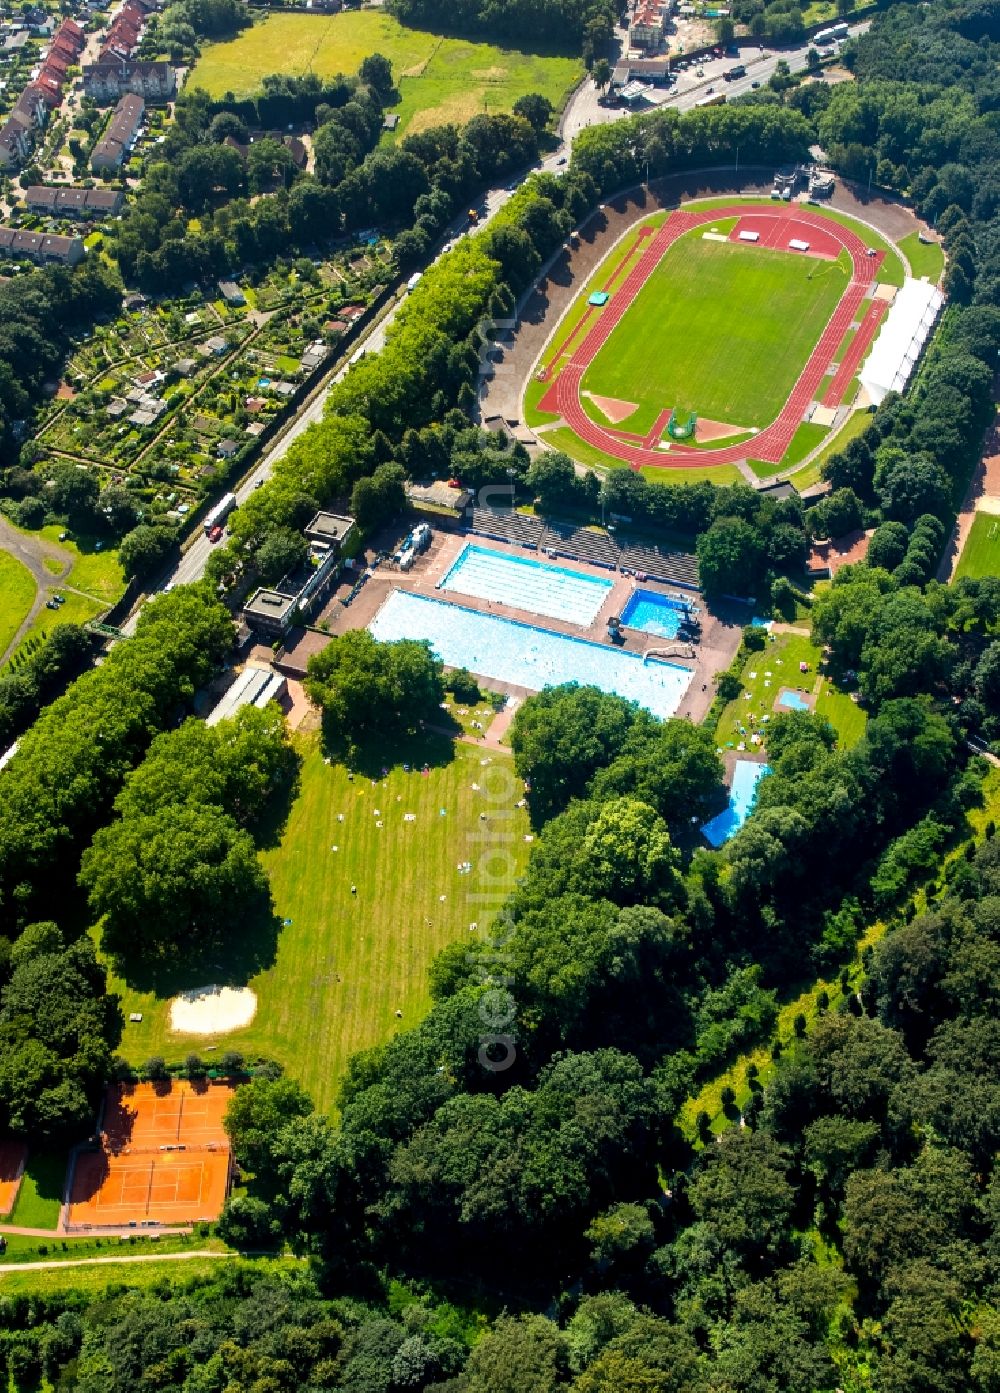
x=212, y=1010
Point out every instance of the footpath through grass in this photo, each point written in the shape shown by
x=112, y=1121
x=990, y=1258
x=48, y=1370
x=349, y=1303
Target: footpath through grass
x=346, y=964
x=981, y=553
x=96, y=1278
x=17, y=589
x=719, y=329
x=439, y=79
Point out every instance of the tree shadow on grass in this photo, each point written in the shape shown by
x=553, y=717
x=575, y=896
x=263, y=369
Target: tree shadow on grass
x=270, y=826
x=230, y=959
x=380, y=754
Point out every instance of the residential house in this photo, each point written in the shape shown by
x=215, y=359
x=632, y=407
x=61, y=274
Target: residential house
x=70, y=33
x=40, y=247
x=647, y=26
x=50, y=88
x=73, y=202
x=232, y=294
x=30, y=110
x=116, y=145
x=57, y=66
x=15, y=145
x=18, y=133
x=106, y=82
x=314, y=356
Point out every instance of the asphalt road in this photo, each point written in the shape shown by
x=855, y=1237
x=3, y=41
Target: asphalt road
x=582, y=111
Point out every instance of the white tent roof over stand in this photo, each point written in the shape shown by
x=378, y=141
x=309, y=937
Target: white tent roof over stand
x=901, y=339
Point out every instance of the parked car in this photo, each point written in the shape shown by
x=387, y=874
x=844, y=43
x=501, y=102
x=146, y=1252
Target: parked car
x=755, y=85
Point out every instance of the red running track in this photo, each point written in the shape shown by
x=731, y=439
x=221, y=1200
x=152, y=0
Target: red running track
x=857, y=349
x=769, y=444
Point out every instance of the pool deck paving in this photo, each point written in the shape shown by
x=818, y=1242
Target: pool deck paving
x=720, y=635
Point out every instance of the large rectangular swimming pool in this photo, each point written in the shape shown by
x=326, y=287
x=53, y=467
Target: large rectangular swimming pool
x=555, y=591
x=527, y=656
x=653, y=613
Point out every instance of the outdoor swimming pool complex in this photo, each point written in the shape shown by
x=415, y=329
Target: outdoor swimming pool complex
x=747, y=774
x=654, y=614
x=555, y=591
x=526, y=656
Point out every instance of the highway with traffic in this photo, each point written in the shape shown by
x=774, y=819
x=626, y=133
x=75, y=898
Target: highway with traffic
x=583, y=110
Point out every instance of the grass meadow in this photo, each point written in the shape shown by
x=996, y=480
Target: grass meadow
x=346, y=964
x=925, y=258
x=721, y=330
x=17, y=586
x=981, y=553
x=438, y=79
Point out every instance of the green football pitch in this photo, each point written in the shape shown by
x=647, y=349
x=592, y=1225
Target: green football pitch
x=718, y=329
x=981, y=553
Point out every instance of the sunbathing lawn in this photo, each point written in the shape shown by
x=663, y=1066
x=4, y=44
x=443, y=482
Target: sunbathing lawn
x=346, y=964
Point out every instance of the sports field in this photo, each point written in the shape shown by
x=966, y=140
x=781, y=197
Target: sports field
x=981, y=553
x=347, y=963
x=718, y=329
x=438, y=79
x=164, y=1157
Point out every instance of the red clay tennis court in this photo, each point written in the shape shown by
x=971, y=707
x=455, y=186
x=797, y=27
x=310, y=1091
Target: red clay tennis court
x=13, y=1155
x=160, y=1187
x=164, y=1158
x=144, y=1115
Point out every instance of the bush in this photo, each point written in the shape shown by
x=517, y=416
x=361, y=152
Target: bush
x=30, y=513
x=463, y=686
x=754, y=639
x=730, y=686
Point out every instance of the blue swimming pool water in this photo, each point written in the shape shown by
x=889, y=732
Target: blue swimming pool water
x=793, y=701
x=555, y=591
x=654, y=614
x=527, y=656
x=747, y=774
